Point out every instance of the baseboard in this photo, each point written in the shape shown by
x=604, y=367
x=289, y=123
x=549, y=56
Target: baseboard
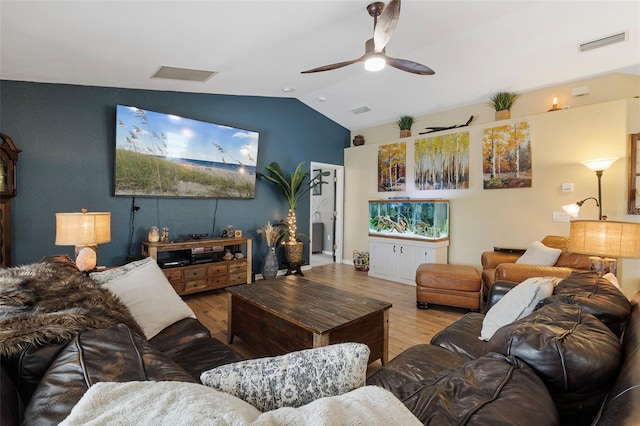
x=280, y=273
x=283, y=272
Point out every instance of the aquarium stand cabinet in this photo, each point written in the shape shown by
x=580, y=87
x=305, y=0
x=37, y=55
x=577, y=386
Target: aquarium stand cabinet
x=192, y=266
x=397, y=259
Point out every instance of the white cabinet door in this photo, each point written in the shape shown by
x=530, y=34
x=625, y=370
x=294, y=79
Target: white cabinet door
x=382, y=259
x=409, y=258
x=398, y=259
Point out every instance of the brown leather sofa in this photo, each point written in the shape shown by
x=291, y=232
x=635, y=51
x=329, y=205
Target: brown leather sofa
x=42, y=382
x=457, y=379
x=573, y=361
x=41, y=386
x=501, y=266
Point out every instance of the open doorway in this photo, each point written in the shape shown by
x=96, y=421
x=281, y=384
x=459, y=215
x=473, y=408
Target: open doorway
x=326, y=216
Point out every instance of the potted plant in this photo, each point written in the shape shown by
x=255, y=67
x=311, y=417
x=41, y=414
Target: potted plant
x=502, y=103
x=405, y=123
x=292, y=187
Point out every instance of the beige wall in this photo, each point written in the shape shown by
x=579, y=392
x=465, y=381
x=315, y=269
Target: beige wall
x=596, y=125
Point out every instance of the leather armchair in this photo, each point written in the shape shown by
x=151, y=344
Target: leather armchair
x=498, y=265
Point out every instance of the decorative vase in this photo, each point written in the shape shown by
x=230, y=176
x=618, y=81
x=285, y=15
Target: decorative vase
x=270, y=264
x=358, y=140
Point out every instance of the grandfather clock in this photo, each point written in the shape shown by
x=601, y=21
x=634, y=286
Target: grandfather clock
x=8, y=161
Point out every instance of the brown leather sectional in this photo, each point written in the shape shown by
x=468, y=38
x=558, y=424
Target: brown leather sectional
x=549, y=368
x=573, y=361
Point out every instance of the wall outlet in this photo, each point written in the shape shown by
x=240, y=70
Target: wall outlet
x=560, y=217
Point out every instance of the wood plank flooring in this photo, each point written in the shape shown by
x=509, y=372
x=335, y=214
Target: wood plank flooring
x=408, y=325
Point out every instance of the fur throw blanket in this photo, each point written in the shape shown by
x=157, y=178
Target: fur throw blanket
x=46, y=303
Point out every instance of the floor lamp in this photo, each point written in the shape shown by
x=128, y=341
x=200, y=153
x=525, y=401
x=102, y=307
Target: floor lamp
x=598, y=165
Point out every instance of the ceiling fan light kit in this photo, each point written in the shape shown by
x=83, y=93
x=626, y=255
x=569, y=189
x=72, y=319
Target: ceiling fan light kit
x=375, y=63
x=375, y=57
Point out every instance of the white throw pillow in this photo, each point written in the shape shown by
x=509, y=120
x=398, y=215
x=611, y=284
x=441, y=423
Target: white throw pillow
x=144, y=289
x=294, y=379
x=539, y=254
x=519, y=302
x=612, y=279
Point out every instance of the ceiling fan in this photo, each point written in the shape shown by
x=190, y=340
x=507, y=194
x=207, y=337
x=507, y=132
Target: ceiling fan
x=375, y=57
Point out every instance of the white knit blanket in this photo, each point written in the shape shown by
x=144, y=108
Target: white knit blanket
x=178, y=403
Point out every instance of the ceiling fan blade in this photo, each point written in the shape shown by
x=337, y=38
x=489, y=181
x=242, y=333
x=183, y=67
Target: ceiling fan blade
x=332, y=66
x=409, y=66
x=386, y=24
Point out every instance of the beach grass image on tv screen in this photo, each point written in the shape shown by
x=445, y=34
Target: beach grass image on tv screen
x=165, y=155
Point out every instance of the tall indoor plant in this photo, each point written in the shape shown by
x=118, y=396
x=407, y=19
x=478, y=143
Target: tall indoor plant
x=293, y=188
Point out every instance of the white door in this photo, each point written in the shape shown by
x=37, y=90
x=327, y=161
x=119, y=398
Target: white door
x=327, y=207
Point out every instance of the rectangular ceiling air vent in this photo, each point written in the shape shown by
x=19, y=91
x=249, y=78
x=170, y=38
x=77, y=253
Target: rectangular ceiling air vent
x=361, y=110
x=186, y=74
x=604, y=41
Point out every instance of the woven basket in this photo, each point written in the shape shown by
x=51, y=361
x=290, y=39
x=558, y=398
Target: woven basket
x=361, y=260
x=293, y=251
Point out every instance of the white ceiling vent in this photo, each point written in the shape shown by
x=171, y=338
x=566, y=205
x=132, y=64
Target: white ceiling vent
x=361, y=110
x=604, y=41
x=186, y=74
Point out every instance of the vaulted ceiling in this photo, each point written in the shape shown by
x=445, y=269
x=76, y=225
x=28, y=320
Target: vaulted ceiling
x=259, y=48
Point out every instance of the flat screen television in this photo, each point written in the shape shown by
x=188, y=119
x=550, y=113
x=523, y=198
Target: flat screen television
x=164, y=155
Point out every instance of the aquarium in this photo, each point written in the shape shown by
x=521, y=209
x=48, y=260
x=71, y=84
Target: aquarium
x=416, y=219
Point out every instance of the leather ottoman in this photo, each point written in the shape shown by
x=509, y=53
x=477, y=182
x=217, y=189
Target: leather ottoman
x=445, y=284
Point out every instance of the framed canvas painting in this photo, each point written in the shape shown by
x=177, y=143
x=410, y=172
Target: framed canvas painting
x=442, y=162
x=506, y=156
x=317, y=174
x=392, y=165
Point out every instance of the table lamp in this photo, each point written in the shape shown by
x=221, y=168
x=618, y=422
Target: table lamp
x=606, y=240
x=84, y=230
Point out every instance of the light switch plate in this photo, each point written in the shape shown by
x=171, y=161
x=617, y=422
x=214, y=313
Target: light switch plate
x=567, y=187
x=560, y=217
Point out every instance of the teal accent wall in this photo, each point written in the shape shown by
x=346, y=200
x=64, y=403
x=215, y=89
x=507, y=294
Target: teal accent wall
x=67, y=137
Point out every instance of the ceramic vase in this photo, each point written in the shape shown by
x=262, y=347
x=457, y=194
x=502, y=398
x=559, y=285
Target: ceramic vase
x=270, y=264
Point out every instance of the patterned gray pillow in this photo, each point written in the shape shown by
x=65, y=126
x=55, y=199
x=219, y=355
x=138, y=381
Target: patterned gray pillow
x=294, y=379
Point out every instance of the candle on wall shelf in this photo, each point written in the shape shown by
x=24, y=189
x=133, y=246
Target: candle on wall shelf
x=554, y=104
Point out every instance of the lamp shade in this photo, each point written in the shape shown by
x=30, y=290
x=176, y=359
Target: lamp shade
x=605, y=238
x=599, y=164
x=571, y=209
x=86, y=228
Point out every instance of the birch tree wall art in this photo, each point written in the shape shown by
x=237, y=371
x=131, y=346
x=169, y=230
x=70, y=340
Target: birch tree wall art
x=506, y=156
x=442, y=162
x=392, y=165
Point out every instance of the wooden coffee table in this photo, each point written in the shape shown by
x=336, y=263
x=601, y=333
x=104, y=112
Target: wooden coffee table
x=291, y=313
